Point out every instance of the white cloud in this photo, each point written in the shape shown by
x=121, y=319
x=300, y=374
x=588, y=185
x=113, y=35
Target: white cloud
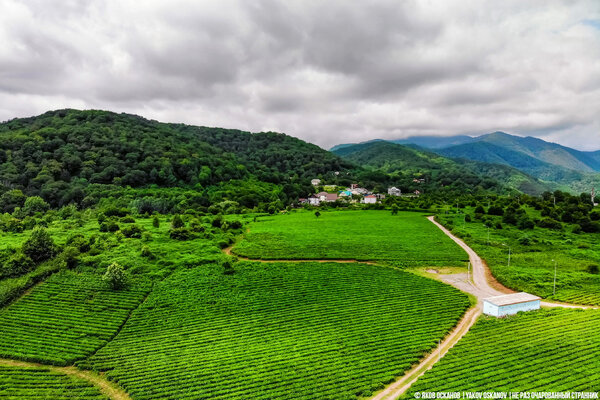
x=327, y=72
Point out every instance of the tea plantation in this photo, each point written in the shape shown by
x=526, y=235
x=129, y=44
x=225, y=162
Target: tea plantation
x=407, y=238
x=548, y=350
x=65, y=318
x=279, y=330
x=41, y=383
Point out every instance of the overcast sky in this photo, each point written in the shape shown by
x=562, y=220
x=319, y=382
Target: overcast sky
x=325, y=71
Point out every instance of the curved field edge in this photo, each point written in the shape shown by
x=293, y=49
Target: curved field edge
x=403, y=239
x=489, y=359
x=25, y=380
x=274, y=330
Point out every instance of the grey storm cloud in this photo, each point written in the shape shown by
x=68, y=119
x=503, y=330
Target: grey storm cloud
x=325, y=71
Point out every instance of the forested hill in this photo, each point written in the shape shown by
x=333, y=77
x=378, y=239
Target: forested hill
x=60, y=154
x=408, y=163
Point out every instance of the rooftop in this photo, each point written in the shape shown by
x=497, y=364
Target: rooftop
x=513, y=298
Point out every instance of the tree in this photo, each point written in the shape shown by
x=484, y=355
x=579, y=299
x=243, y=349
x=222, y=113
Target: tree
x=115, y=276
x=177, y=222
x=40, y=246
x=34, y=205
x=394, y=209
x=17, y=265
x=155, y=221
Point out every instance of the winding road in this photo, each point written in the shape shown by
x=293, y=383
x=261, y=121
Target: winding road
x=482, y=285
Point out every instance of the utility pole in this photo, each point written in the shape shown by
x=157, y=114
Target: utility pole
x=554, y=290
x=469, y=272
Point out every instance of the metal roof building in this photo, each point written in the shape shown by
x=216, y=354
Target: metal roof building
x=508, y=304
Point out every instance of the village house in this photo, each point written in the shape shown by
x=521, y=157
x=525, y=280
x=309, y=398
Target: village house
x=315, y=182
x=394, y=191
x=314, y=200
x=327, y=197
x=369, y=199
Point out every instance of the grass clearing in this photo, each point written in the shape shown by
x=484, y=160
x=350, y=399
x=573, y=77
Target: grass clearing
x=279, y=330
x=405, y=239
x=548, y=350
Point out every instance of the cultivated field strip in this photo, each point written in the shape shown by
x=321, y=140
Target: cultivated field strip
x=66, y=318
x=547, y=350
x=41, y=383
x=407, y=238
x=278, y=330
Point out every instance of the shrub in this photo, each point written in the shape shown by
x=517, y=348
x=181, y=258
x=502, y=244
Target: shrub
x=180, y=234
x=115, y=276
x=468, y=218
x=177, y=222
x=127, y=220
x=78, y=241
x=495, y=210
x=146, y=252
x=593, y=269
x=70, y=257
x=155, y=221
x=525, y=240
x=132, y=231
x=525, y=223
x=17, y=265
x=40, y=246
x=146, y=236
x=34, y=205
x=217, y=221
x=317, y=214
x=109, y=226
x=479, y=210
x=550, y=223
x=228, y=268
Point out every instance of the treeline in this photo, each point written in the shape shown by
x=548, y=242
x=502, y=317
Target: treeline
x=66, y=156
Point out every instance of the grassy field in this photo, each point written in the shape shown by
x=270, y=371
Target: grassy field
x=65, y=318
x=407, y=238
x=548, y=350
x=278, y=330
x=25, y=383
x=534, y=254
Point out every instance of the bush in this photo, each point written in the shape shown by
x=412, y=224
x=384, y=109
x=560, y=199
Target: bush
x=479, y=210
x=550, y=223
x=180, y=234
x=177, y=222
x=593, y=269
x=40, y=246
x=132, y=231
x=70, y=257
x=495, y=210
x=468, y=218
x=525, y=240
x=525, y=223
x=115, y=276
x=155, y=221
x=34, y=205
x=146, y=252
x=17, y=265
x=78, y=241
x=109, y=226
x=146, y=236
x=217, y=221
x=127, y=220
x=228, y=268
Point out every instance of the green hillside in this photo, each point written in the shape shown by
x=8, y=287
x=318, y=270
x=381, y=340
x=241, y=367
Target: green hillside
x=406, y=163
x=67, y=156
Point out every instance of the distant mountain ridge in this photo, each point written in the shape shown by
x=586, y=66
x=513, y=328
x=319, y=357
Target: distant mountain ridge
x=407, y=162
x=551, y=162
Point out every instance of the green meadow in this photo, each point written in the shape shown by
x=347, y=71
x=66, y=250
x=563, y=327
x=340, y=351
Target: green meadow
x=407, y=238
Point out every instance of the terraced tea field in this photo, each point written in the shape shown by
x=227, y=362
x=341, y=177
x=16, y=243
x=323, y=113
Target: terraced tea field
x=65, y=318
x=407, y=238
x=278, y=330
x=41, y=383
x=548, y=350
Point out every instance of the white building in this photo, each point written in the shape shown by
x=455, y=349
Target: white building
x=394, y=191
x=314, y=200
x=370, y=199
x=508, y=304
x=315, y=182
